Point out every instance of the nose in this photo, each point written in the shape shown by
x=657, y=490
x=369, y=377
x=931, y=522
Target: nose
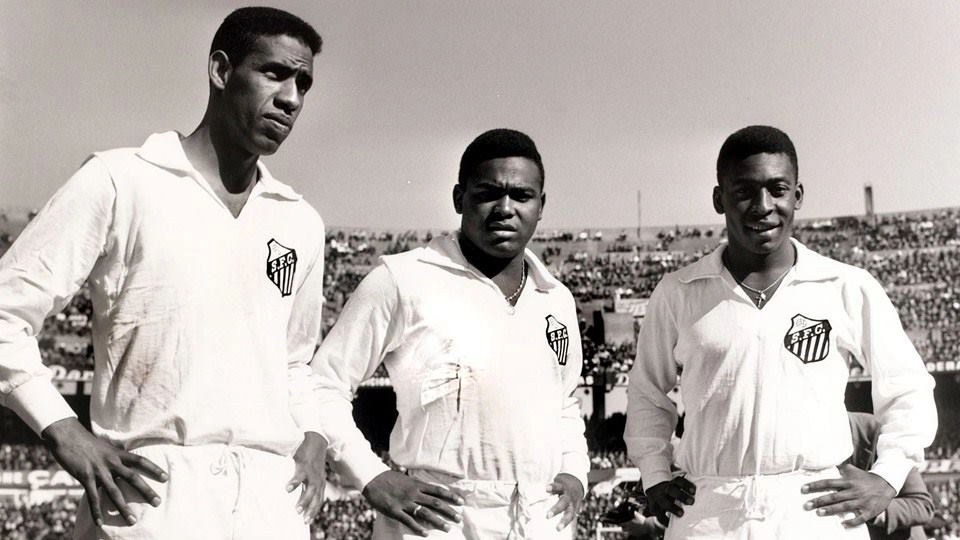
x=288, y=97
x=504, y=206
x=762, y=202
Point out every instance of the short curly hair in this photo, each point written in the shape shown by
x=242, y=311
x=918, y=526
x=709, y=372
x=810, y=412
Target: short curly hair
x=498, y=143
x=752, y=140
x=241, y=29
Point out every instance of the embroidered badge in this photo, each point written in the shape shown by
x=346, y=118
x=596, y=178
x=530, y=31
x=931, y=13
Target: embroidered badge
x=808, y=339
x=281, y=266
x=558, y=338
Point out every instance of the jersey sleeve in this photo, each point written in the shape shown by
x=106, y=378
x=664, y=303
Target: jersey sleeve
x=39, y=274
x=651, y=416
x=901, y=387
x=575, y=460
x=303, y=336
x=350, y=354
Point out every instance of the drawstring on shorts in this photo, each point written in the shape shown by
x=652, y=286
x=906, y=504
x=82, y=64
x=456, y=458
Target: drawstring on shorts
x=230, y=459
x=519, y=513
x=755, y=503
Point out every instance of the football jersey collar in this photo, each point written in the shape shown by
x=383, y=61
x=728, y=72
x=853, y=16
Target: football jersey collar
x=445, y=251
x=810, y=266
x=166, y=150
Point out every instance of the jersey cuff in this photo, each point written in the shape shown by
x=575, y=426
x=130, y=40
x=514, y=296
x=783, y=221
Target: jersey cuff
x=308, y=418
x=38, y=403
x=893, y=470
x=369, y=472
x=357, y=469
x=653, y=470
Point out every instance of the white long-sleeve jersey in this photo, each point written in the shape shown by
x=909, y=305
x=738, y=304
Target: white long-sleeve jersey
x=484, y=389
x=203, y=324
x=764, y=389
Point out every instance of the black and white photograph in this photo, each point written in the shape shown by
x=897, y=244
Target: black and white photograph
x=504, y=270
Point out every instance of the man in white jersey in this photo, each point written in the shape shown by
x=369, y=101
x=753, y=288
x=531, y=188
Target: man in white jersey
x=764, y=331
x=483, y=350
x=205, y=274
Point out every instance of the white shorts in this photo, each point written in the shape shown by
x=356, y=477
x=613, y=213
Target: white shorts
x=502, y=510
x=213, y=492
x=758, y=508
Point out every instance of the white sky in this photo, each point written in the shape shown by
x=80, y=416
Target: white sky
x=619, y=96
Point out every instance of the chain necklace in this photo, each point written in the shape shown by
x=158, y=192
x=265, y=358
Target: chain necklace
x=762, y=294
x=523, y=281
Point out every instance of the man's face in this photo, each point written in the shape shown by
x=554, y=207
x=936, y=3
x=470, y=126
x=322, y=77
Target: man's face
x=264, y=92
x=500, y=205
x=758, y=197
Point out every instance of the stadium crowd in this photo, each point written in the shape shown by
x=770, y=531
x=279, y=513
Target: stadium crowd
x=597, y=277
x=350, y=518
x=946, y=497
x=927, y=308
x=25, y=457
x=52, y=520
x=603, y=358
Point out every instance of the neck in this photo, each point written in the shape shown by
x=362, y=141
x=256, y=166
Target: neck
x=766, y=266
x=491, y=267
x=210, y=152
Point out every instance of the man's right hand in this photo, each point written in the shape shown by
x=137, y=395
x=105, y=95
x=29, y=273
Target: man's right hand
x=666, y=497
x=418, y=505
x=95, y=463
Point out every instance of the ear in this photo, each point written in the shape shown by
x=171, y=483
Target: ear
x=458, y=198
x=717, y=202
x=799, y=202
x=218, y=69
x=543, y=202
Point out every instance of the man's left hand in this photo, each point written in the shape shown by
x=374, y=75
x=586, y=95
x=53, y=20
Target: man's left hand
x=859, y=492
x=570, y=490
x=310, y=460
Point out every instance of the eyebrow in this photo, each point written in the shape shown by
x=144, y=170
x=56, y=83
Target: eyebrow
x=739, y=180
x=505, y=189
x=286, y=70
x=496, y=184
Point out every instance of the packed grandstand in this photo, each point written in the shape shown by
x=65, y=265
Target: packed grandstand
x=916, y=256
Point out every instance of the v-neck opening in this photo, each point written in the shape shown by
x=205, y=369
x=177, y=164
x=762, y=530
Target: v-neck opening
x=205, y=185
x=743, y=294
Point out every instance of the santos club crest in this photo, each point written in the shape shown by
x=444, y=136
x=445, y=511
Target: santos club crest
x=281, y=266
x=558, y=339
x=808, y=339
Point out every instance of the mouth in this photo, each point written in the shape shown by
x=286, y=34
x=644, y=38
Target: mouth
x=761, y=228
x=281, y=123
x=501, y=228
